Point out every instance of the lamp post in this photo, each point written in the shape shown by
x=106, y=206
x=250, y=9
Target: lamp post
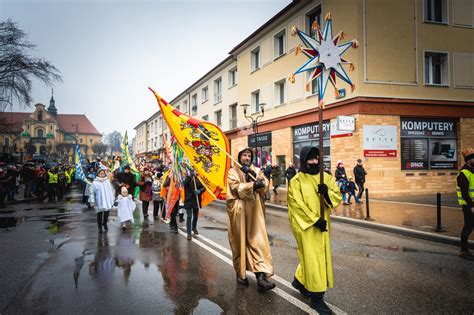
x=253, y=119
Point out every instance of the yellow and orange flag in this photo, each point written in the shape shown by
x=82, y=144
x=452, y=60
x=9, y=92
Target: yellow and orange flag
x=203, y=144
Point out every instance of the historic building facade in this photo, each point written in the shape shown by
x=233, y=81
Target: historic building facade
x=46, y=135
x=408, y=119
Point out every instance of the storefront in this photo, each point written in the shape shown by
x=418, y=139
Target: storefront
x=308, y=135
x=428, y=144
x=262, y=144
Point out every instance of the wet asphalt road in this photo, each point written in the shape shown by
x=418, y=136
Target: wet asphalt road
x=54, y=261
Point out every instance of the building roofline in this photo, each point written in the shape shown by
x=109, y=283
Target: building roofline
x=220, y=64
x=282, y=12
x=143, y=121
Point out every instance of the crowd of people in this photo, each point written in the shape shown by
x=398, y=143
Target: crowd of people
x=42, y=181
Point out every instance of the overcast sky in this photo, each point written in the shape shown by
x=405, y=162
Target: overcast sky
x=110, y=51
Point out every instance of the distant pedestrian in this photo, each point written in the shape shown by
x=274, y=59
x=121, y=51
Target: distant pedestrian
x=290, y=172
x=102, y=198
x=465, y=194
x=267, y=171
x=193, y=189
x=341, y=178
x=52, y=184
x=276, y=179
x=351, y=190
x=314, y=273
x=145, y=183
x=359, y=173
x=157, y=199
x=3, y=187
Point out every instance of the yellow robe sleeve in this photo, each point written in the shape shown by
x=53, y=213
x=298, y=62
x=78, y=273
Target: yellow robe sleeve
x=297, y=208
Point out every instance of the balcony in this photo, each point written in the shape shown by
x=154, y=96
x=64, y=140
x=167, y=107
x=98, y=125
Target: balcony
x=35, y=140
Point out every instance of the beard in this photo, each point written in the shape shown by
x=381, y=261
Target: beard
x=245, y=163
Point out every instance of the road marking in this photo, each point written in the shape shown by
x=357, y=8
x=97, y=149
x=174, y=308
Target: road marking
x=301, y=305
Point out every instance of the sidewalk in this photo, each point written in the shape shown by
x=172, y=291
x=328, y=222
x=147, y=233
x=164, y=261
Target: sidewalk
x=408, y=215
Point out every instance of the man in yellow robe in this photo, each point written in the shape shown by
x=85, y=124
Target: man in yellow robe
x=246, y=187
x=314, y=272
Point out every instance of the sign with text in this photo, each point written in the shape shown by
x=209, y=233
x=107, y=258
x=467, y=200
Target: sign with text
x=336, y=133
x=311, y=131
x=345, y=123
x=419, y=127
x=260, y=140
x=380, y=141
x=428, y=143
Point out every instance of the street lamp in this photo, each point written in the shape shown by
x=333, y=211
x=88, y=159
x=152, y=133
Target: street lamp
x=254, y=118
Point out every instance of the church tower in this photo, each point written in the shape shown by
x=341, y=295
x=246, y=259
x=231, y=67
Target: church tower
x=51, y=108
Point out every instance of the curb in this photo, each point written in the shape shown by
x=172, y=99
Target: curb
x=450, y=240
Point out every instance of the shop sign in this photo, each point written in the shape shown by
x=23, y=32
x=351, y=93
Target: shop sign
x=311, y=131
x=260, y=140
x=345, y=123
x=337, y=133
x=428, y=144
x=380, y=141
x=419, y=127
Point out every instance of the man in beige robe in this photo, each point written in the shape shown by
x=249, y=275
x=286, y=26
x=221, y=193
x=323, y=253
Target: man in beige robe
x=246, y=187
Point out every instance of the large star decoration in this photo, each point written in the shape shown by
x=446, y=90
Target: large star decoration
x=324, y=54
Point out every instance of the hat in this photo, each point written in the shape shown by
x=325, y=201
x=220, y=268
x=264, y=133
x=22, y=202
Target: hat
x=468, y=154
x=359, y=161
x=307, y=153
x=245, y=150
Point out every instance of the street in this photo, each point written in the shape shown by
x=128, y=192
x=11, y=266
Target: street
x=54, y=261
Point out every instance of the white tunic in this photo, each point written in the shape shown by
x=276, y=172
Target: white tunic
x=104, y=194
x=125, y=208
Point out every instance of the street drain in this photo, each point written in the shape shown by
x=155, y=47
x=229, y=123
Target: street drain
x=7, y=222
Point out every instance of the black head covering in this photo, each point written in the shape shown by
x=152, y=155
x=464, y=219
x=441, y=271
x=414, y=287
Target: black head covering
x=307, y=153
x=241, y=152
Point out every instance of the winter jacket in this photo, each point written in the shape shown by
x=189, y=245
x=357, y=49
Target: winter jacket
x=359, y=173
x=192, y=188
x=340, y=174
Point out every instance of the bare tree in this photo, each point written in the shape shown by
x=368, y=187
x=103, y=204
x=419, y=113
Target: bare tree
x=99, y=148
x=113, y=140
x=18, y=68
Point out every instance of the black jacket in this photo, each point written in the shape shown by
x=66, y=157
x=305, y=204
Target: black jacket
x=359, y=173
x=340, y=173
x=190, y=190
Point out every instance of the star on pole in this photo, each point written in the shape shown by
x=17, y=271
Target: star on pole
x=325, y=61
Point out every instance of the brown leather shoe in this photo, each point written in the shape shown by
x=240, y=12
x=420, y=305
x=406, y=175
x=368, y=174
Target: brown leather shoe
x=195, y=231
x=189, y=237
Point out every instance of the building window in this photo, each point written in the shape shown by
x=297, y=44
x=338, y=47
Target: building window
x=80, y=140
x=177, y=108
x=217, y=90
x=161, y=121
x=232, y=77
x=436, y=68
x=40, y=116
x=90, y=141
x=233, y=116
x=218, y=116
x=50, y=127
x=7, y=142
x=313, y=88
x=279, y=44
x=280, y=92
x=185, y=107
x=40, y=133
x=313, y=15
x=205, y=117
x=255, y=59
x=436, y=11
x=205, y=94
x=256, y=101
x=194, y=104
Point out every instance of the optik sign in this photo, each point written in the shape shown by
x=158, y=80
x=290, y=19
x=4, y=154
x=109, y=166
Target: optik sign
x=380, y=141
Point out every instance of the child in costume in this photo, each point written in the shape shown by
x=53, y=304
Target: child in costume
x=125, y=207
x=102, y=198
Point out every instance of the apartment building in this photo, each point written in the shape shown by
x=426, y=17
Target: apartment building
x=408, y=119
